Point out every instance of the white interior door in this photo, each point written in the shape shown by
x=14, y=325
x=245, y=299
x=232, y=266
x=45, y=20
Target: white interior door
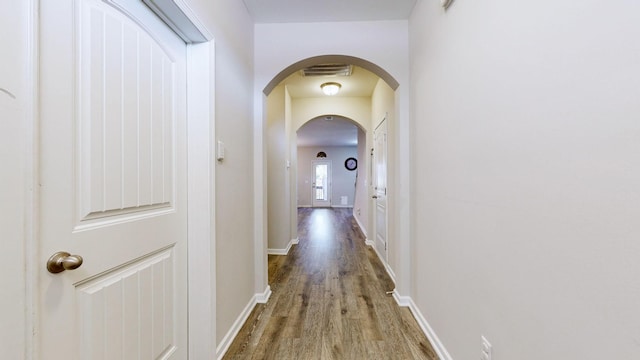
x=380, y=187
x=321, y=187
x=113, y=182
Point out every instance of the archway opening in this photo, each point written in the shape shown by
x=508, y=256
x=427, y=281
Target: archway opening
x=294, y=100
x=336, y=144
x=331, y=59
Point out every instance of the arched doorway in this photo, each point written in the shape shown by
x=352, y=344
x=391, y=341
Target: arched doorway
x=328, y=151
x=293, y=98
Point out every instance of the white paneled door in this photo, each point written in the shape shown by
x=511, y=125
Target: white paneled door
x=380, y=187
x=113, y=183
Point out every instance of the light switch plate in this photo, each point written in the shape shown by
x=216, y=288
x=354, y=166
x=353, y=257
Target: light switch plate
x=220, y=151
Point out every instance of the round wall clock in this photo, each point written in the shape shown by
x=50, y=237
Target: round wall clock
x=351, y=164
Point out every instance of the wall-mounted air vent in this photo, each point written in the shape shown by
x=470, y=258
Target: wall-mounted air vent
x=328, y=70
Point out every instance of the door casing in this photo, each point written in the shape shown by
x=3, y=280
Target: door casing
x=380, y=207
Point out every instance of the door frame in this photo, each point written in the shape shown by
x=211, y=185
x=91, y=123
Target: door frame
x=374, y=178
x=200, y=172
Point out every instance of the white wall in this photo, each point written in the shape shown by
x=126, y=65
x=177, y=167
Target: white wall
x=357, y=109
x=278, y=179
x=342, y=180
x=232, y=28
x=527, y=145
x=362, y=198
x=14, y=156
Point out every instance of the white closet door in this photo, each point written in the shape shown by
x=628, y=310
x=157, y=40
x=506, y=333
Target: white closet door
x=113, y=182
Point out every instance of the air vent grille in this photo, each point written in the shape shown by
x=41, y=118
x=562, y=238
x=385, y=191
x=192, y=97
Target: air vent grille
x=328, y=70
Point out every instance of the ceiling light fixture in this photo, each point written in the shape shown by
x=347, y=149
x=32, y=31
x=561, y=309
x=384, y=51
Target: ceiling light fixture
x=330, y=88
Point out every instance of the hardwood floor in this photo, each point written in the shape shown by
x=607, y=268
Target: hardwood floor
x=329, y=301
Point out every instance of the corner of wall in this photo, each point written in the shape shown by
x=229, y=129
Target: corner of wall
x=438, y=346
x=284, y=251
x=261, y=298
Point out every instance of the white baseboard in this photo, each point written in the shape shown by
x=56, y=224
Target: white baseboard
x=407, y=301
x=370, y=243
x=264, y=297
x=392, y=274
x=283, y=251
x=342, y=206
x=403, y=301
x=304, y=206
x=222, y=348
x=362, y=228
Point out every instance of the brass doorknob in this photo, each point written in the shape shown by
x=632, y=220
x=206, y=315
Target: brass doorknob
x=62, y=261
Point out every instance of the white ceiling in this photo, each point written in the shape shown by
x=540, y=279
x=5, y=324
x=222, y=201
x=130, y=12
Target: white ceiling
x=322, y=132
x=283, y=11
x=339, y=131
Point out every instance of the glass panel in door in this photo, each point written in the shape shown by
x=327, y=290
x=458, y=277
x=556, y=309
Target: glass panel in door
x=321, y=195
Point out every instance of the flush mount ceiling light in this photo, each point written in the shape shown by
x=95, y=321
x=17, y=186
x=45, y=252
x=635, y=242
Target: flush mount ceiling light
x=330, y=88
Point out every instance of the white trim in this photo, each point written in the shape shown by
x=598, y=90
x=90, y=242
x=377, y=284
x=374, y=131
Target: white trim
x=390, y=272
x=223, y=347
x=32, y=195
x=342, y=206
x=283, y=251
x=264, y=297
x=362, y=228
x=438, y=346
x=305, y=206
x=402, y=216
x=372, y=243
x=200, y=171
x=235, y=329
x=181, y=19
x=402, y=301
x=201, y=199
x=260, y=194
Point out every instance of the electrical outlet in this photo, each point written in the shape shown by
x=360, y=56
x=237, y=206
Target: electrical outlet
x=486, y=349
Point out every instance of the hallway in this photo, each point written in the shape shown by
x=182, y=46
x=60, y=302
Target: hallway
x=329, y=301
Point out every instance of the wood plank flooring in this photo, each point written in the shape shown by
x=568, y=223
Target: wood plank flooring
x=329, y=301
